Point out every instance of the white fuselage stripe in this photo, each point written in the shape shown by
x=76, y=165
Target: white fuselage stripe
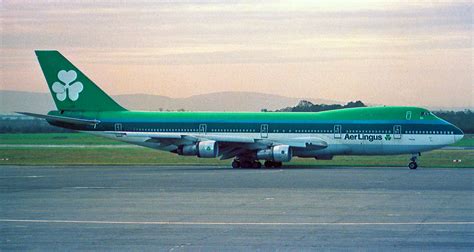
x=407, y=143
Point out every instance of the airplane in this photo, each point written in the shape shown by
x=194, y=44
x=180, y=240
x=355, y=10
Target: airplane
x=247, y=137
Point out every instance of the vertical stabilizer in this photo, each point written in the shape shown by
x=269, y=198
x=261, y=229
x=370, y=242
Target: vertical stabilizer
x=70, y=88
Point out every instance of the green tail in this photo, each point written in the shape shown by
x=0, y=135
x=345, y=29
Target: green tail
x=71, y=89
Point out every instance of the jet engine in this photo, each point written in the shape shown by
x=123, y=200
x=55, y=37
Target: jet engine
x=203, y=149
x=278, y=153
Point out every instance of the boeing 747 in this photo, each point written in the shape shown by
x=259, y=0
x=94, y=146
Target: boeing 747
x=247, y=137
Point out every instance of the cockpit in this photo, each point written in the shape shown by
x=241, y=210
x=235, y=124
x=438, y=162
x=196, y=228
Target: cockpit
x=425, y=114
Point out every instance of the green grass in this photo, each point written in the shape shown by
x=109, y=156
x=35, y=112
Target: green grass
x=467, y=141
x=86, y=139
x=55, y=138
x=143, y=156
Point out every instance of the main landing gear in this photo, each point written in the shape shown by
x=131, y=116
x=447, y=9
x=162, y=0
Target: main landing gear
x=413, y=165
x=255, y=164
x=272, y=164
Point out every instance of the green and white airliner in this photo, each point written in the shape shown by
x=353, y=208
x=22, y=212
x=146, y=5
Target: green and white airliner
x=247, y=137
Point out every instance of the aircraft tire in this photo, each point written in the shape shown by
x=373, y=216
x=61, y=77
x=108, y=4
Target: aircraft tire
x=257, y=165
x=235, y=164
x=246, y=164
x=412, y=165
x=268, y=164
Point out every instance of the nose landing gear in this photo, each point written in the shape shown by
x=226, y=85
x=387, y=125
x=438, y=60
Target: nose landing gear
x=413, y=165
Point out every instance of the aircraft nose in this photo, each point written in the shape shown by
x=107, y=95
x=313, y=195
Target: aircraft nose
x=458, y=137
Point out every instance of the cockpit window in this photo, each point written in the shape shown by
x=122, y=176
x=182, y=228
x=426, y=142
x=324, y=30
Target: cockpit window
x=424, y=114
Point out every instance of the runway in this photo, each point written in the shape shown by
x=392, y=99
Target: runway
x=216, y=208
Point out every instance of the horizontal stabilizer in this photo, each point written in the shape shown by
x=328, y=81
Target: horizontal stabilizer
x=62, y=119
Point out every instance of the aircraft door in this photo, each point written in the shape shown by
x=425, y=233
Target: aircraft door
x=397, y=131
x=202, y=129
x=337, y=131
x=264, y=130
x=118, y=127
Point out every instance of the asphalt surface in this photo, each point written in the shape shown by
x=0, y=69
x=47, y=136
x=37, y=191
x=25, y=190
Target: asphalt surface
x=216, y=208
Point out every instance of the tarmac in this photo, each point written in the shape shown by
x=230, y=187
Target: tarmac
x=218, y=208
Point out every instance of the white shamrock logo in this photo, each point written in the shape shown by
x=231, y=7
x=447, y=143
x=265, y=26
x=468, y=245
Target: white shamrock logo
x=68, y=84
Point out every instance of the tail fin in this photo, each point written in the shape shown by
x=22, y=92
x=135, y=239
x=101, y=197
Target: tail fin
x=71, y=89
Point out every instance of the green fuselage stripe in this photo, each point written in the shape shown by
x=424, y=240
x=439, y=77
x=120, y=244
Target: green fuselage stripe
x=236, y=127
x=380, y=120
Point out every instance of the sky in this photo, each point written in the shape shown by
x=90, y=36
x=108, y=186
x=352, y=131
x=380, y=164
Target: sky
x=416, y=53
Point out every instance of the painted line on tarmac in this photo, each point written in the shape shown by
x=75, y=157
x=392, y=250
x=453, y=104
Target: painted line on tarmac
x=196, y=223
x=68, y=146
x=27, y=176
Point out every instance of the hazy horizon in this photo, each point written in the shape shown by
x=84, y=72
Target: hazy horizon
x=404, y=53
x=278, y=101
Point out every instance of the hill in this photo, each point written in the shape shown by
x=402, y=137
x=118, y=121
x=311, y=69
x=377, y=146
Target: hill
x=11, y=101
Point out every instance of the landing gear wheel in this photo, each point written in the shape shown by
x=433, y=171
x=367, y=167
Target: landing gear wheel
x=257, y=165
x=272, y=164
x=246, y=164
x=235, y=164
x=413, y=165
x=268, y=164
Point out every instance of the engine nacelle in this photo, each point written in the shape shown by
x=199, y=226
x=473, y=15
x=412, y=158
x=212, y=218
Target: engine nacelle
x=203, y=149
x=207, y=149
x=278, y=153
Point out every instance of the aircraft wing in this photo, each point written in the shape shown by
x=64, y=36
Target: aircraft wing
x=191, y=137
x=229, y=146
x=305, y=142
